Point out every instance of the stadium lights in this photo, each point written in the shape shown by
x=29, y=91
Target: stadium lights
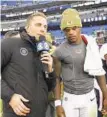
x=36, y=11
x=60, y=7
x=24, y=13
x=44, y=10
x=104, y=18
x=100, y=18
x=92, y=19
x=85, y=20
x=10, y=15
x=96, y=19
x=5, y=29
x=88, y=19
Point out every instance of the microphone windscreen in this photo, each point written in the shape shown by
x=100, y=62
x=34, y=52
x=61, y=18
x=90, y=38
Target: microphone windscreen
x=42, y=45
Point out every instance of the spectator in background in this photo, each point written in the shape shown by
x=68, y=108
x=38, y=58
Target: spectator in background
x=50, y=40
x=103, y=53
x=99, y=98
x=78, y=60
x=51, y=111
x=51, y=107
x=24, y=87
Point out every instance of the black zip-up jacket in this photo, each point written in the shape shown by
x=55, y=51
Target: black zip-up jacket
x=21, y=73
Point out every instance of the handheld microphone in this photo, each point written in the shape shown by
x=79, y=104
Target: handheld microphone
x=42, y=48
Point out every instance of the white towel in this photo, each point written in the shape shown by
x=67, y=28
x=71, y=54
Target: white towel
x=103, y=50
x=93, y=64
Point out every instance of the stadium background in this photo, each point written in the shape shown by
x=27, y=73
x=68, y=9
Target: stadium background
x=92, y=13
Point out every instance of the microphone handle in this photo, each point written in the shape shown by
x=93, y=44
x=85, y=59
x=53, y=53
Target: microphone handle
x=45, y=66
x=45, y=70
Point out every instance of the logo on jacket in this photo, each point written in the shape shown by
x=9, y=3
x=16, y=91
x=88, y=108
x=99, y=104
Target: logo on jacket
x=23, y=51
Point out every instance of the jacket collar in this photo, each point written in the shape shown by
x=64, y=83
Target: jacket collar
x=28, y=38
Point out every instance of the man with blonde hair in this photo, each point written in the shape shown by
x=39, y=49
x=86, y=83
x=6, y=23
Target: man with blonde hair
x=24, y=87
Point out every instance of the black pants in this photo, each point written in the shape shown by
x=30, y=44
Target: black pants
x=100, y=114
x=9, y=115
x=13, y=115
x=98, y=102
x=50, y=110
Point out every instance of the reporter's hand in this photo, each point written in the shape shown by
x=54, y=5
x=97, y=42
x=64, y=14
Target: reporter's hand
x=60, y=111
x=47, y=59
x=104, y=110
x=17, y=105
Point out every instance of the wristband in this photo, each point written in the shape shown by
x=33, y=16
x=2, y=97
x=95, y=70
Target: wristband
x=57, y=103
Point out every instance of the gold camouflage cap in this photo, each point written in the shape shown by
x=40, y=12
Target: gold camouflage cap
x=70, y=18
